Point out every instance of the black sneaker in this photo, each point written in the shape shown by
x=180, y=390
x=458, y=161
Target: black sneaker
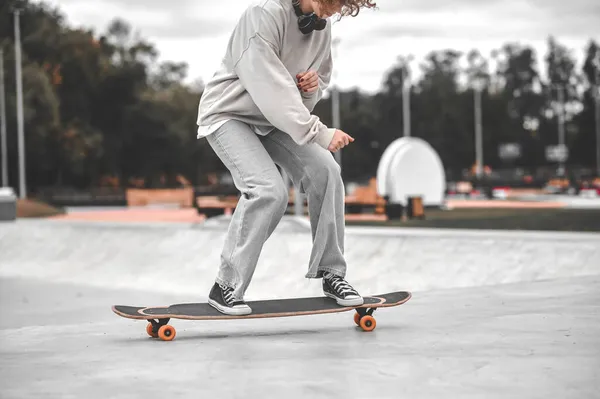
x=337, y=288
x=221, y=298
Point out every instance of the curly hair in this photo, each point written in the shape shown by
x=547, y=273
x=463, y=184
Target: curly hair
x=349, y=7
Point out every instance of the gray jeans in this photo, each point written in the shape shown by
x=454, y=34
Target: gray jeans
x=251, y=159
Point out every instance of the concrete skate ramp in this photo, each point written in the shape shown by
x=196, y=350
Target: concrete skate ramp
x=183, y=258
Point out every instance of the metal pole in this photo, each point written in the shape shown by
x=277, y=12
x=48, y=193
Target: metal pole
x=298, y=202
x=335, y=102
x=286, y=181
x=3, y=123
x=596, y=64
x=598, y=131
x=478, y=132
x=335, y=105
x=598, y=122
x=21, y=135
x=285, y=178
x=561, y=125
x=298, y=198
x=406, y=101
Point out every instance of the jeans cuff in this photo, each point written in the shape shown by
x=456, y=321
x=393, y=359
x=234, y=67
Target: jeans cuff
x=324, y=269
x=225, y=283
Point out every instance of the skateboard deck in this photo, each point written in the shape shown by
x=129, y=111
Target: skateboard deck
x=160, y=316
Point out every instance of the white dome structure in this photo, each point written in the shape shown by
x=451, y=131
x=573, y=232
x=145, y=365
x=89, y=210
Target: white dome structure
x=410, y=167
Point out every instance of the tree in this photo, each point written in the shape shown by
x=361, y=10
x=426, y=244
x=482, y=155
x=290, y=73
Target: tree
x=522, y=95
x=439, y=110
x=584, y=144
x=562, y=97
x=101, y=105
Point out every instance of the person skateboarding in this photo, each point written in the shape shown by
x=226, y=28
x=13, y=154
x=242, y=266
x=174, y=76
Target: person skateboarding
x=255, y=113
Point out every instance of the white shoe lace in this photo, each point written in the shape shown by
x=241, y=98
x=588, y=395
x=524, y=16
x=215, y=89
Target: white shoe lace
x=227, y=294
x=341, y=286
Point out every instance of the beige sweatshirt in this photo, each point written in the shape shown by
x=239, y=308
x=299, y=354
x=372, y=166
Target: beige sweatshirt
x=256, y=81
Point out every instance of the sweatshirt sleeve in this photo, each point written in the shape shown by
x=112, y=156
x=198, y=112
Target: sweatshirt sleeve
x=254, y=49
x=324, y=74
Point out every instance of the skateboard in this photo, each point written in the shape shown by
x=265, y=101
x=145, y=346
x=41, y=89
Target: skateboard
x=160, y=316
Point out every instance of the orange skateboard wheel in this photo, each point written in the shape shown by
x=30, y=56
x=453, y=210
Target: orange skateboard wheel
x=368, y=323
x=150, y=331
x=357, y=319
x=166, y=333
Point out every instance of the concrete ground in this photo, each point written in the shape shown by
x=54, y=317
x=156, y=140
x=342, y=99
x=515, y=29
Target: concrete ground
x=524, y=340
x=493, y=315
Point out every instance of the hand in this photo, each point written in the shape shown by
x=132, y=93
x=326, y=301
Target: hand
x=308, y=82
x=339, y=141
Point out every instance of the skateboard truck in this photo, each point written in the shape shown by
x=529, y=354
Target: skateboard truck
x=160, y=329
x=365, y=311
x=364, y=318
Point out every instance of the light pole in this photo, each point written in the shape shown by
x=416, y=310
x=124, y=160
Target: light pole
x=19, y=79
x=406, y=95
x=335, y=101
x=561, y=127
x=477, y=88
x=3, y=123
x=558, y=153
x=598, y=124
x=597, y=113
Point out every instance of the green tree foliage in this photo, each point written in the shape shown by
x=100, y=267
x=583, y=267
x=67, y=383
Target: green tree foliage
x=585, y=138
x=100, y=107
x=519, y=105
x=97, y=106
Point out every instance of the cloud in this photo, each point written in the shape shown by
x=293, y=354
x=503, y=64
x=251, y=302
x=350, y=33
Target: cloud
x=187, y=26
x=506, y=20
x=157, y=18
x=196, y=31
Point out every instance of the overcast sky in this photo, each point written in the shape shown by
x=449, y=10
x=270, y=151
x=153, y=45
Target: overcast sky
x=196, y=31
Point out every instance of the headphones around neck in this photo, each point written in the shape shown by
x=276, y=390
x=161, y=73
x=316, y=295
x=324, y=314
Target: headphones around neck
x=308, y=22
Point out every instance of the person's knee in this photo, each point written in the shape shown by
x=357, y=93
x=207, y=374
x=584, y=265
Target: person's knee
x=280, y=196
x=333, y=168
x=276, y=195
x=326, y=175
